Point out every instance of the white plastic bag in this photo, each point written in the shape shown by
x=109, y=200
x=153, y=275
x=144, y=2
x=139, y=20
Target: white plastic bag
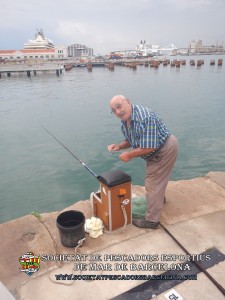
x=94, y=227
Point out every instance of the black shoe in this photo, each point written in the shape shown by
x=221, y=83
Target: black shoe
x=142, y=223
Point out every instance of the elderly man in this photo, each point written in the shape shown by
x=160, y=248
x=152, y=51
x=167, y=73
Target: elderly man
x=150, y=139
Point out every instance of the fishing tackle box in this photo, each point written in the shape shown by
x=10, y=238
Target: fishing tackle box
x=112, y=202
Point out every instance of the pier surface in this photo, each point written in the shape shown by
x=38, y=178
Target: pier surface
x=29, y=67
x=194, y=214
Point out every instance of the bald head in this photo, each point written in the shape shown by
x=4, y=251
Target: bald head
x=116, y=99
x=121, y=107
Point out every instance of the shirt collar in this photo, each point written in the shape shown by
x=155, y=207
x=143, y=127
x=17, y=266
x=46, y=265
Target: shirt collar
x=133, y=115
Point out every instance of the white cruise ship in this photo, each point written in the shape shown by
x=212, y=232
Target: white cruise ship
x=40, y=42
x=147, y=49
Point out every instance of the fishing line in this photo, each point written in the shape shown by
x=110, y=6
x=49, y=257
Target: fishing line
x=68, y=150
x=55, y=138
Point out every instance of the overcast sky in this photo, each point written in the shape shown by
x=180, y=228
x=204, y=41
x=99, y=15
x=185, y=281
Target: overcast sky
x=108, y=25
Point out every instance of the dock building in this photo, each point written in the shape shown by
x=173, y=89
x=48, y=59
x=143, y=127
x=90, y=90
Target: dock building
x=43, y=48
x=78, y=51
x=39, y=48
x=199, y=48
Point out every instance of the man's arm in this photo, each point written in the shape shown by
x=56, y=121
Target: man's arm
x=128, y=155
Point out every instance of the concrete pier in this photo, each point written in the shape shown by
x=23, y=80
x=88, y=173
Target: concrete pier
x=194, y=213
x=30, y=68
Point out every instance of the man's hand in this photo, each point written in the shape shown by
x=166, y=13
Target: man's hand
x=125, y=156
x=113, y=147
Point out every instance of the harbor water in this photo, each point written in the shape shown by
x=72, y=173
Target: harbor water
x=37, y=174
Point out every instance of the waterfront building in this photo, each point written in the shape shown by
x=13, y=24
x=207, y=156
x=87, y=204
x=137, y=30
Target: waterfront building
x=79, y=51
x=27, y=54
x=199, y=48
x=40, y=48
x=192, y=47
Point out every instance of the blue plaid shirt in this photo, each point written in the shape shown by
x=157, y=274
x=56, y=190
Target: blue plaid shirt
x=146, y=130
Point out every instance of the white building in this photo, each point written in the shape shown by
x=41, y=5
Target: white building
x=79, y=51
x=39, y=48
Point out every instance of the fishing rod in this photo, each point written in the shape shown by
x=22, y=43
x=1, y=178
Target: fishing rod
x=80, y=161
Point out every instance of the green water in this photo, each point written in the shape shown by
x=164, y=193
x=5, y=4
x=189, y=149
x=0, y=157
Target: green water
x=37, y=174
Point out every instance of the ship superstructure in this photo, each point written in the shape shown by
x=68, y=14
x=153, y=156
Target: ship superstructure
x=147, y=49
x=40, y=42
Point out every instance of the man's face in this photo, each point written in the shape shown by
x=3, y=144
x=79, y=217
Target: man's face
x=121, y=107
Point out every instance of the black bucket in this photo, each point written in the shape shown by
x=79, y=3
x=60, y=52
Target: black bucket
x=71, y=227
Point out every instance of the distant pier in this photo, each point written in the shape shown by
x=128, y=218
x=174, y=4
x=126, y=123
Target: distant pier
x=30, y=68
